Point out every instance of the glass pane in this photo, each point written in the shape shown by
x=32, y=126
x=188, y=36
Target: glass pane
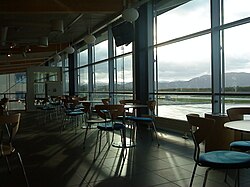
x=101, y=77
x=191, y=17
x=82, y=58
x=124, y=74
x=185, y=64
x=101, y=51
x=83, y=79
x=66, y=82
x=236, y=9
x=184, y=67
x=237, y=58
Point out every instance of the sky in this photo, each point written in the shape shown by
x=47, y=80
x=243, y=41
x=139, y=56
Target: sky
x=191, y=58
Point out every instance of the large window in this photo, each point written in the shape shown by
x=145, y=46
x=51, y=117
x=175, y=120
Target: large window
x=184, y=60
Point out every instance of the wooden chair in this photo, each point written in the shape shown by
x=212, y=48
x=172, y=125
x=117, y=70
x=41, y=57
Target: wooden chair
x=4, y=106
x=234, y=114
x=7, y=147
x=201, y=129
x=106, y=101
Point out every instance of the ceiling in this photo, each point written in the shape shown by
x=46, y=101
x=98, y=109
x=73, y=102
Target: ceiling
x=23, y=23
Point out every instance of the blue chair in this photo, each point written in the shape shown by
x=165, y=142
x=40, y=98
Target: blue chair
x=234, y=114
x=201, y=129
x=110, y=123
x=73, y=113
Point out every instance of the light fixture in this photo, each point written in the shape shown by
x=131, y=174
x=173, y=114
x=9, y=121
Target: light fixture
x=130, y=14
x=69, y=49
x=43, y=42
x=89, y=39
x=57, y=57
x=57, y=26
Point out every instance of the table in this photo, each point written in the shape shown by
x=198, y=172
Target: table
x=240, y=125
x=135, y=106
x=133, y=129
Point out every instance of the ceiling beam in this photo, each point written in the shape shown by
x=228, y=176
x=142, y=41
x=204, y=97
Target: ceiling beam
x=45, y=6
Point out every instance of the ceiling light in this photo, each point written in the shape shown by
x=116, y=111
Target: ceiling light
x=57, y=26
x=57, y=57
x=69, y=50
x=130, y=14
x=89, y=39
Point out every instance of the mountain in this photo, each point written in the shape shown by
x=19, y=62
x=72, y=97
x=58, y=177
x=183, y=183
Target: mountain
x=232, y=80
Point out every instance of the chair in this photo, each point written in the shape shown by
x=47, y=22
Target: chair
x=147, y=119
x=4, y=106
x=106, y=101
x=238, y=114
x=109, y=113
x=72, y=112
x=7, y=146
x=201, y=129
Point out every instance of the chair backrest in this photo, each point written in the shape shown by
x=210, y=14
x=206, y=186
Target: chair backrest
x=151, y=106
x=129, y=101
x=86, y=107
x=84, y=98
x=12, y=121
x=109, y=111
x=4, y=105
x=106, y=101
x=237, y=113
x=200, y=129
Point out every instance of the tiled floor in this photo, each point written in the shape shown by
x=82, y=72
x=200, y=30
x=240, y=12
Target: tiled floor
x=54, y=159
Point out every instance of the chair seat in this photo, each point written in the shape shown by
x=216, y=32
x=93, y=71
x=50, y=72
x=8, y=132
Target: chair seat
x=75, y=113
x=110, y=126
x=134, y=118
x=225, y=159
x=119, y=126
x=105, y=126
x=243, y=145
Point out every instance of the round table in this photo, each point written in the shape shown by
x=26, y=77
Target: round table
x=240, y=125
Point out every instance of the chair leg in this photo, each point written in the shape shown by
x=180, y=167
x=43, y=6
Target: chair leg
x=96, y=144
x=24, y=173
x=156, y=136
x=205, y=178
x=86, y=132
x=237, y=178
x=8, y=163
x=193, y=174
x=226, y=173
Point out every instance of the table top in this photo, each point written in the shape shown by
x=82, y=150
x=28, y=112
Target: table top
x=135, y=106
x=90, y=101
x=240, y=125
